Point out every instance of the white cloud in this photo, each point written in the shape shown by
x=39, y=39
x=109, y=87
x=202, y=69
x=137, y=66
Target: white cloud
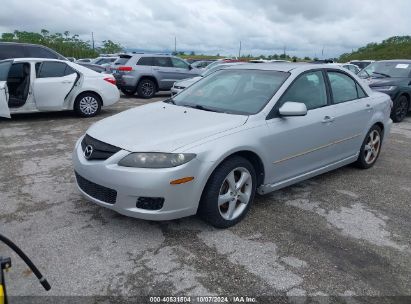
x=304, y=27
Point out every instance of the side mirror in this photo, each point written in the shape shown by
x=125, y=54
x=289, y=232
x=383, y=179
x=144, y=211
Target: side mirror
x=190, y=67
x=293, y=109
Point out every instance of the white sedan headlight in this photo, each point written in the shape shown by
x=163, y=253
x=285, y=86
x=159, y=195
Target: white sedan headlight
x=155, y=160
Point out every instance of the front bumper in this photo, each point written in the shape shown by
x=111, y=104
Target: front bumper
x=131, y=183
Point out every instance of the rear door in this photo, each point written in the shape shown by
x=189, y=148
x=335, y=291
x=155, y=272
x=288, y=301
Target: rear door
x=54, y=80
x=164, y=72
x=4, y=96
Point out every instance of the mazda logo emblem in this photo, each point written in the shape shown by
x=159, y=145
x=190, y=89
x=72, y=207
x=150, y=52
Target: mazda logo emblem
x=88, y=151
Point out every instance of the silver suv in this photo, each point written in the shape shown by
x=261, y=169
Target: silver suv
x=147, y=74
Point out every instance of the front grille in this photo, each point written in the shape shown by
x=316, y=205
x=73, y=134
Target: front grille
x=150, y=203
x=101, y=193
x=101, y=150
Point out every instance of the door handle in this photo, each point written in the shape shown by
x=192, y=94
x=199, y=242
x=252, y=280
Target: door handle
x=328, y=119
x=369, y=107
x=67, y=81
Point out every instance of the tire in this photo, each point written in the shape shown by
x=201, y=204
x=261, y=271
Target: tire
x=146, y=88
x=400, y=109
x=87, y=105
x=221, y=205
x=370, y=149
x=129, y=92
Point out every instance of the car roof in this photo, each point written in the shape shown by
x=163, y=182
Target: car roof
x=396, y=60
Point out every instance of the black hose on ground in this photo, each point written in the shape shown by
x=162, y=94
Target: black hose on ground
x=26, y=259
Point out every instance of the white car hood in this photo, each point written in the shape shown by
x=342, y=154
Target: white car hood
x=161, y=127
x=187, y=82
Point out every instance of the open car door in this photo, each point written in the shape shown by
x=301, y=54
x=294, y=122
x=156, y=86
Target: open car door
x=4, y=96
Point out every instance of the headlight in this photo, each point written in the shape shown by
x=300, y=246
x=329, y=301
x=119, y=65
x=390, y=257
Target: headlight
x=155, y=160
x=384, y=88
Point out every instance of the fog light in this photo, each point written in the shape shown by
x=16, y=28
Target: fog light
x=150, y=203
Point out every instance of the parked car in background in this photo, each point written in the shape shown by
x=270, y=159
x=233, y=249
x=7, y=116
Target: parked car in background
x=84, y=60
x=201, y=64
x=392, y=77
x=147, y=74
x=104, y=60
x=241, y=130
x=185, y=83
x=220, y=61
x=35, y=85
x=24, y=50
x=361, y=63
x=351, y=67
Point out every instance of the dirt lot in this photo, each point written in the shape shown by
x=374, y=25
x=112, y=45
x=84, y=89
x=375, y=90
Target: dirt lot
x=343, y=233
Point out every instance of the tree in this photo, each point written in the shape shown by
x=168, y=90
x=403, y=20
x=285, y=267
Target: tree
x=109, y=47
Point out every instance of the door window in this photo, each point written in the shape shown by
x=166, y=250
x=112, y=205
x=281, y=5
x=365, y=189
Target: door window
x=4, y=70
x=148, y=61
x=178, y=63
x=52, y=69
x=162, y=62
x=309, y=89
x=343, y=87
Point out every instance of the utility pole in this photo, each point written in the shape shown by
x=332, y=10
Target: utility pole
x=239, y=51
x=175, y=44
x=92, y=39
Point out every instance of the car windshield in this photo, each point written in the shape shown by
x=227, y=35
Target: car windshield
x=243, y=92
x=385, y=69
x=214, y=68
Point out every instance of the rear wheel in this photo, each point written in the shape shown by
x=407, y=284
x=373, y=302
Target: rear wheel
x=400, y=109
x=87, y=104
x=129, y=92
x=146, y=88
x=229, y=193
x=370, y=149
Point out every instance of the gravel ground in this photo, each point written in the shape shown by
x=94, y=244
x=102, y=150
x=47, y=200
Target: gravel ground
x=345, y=233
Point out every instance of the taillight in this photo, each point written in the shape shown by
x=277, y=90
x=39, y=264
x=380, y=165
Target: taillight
x=111, y=80
x=125, y=68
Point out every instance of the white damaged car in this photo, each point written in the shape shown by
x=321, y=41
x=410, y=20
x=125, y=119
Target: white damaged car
x=37, y=84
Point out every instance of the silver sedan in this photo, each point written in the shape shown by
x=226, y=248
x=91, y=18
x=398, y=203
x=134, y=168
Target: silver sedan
x=245, y=129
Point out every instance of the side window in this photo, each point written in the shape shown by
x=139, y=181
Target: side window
x=162, y=62
x=177, y=63
x=309, y=89
x=343, y=87
x=52, y=69
x=145, y=61
x=39, y=52
x=360, y=91
x=12, y=51
x=69, y=70
x=4, y=70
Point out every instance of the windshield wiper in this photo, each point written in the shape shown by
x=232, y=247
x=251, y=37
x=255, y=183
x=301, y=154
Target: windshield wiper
x=382, y=74
x=200, y=107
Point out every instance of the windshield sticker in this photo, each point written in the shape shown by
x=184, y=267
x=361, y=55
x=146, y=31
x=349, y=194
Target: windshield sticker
x=402, y=66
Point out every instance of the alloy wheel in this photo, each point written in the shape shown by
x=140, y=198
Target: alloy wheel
x=235, y=193
x=372, y=148
x=147, y=88
x=401, y=109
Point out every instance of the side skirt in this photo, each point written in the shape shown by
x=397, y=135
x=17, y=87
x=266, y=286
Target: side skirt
x=264, y=189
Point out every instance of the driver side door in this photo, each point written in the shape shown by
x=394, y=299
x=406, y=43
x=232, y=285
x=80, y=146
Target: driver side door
x=54, y=80
x=4, y=96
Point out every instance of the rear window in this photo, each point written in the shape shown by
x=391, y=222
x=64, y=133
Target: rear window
x=145, y=61
x=122, y=60
x=11, y=51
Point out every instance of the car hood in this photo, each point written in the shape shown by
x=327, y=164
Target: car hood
x=187, y=82
x=161, y=127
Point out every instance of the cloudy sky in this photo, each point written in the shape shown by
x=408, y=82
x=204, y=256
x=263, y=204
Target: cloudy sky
x=303, y=27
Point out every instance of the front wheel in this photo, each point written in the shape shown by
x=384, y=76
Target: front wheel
x=370, y=149
x=229, y=193
x=400, y=109
x=87, y=105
